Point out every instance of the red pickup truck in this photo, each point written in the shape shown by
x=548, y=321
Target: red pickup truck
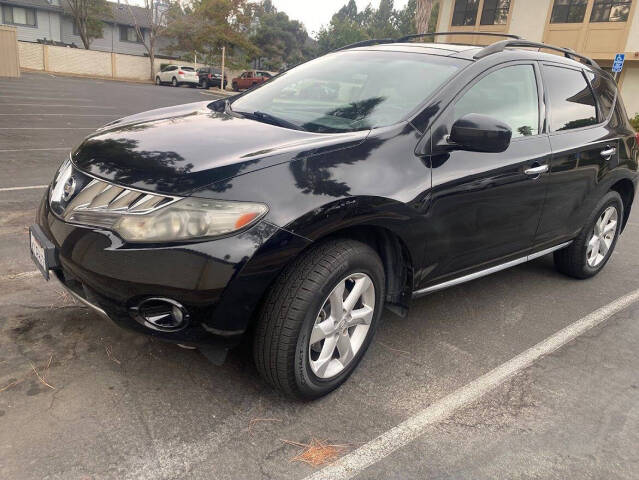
x=250, y=78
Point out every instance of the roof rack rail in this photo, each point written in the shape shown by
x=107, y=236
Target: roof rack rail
x=365, y=43
x=436, y=34
x=501, y=46
x=378, y=41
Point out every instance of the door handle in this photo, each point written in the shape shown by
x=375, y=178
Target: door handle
x=608, y=152
x=535, y=171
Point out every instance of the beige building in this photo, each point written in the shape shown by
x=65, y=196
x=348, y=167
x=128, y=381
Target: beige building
x=597, y=28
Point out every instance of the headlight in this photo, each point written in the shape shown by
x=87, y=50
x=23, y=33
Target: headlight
x=187, y=219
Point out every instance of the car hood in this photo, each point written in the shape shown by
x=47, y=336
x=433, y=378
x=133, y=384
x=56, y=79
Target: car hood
x=177, y=150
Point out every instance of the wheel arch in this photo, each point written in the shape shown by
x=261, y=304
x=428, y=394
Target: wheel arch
x=626, y=190
x=395, y=256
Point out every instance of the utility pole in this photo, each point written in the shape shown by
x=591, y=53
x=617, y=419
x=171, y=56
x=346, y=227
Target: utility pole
x=222, y=79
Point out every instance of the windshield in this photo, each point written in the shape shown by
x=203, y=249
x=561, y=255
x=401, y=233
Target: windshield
x=352, y=90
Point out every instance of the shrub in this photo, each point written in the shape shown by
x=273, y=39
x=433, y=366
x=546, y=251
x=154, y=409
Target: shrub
x=635, y=122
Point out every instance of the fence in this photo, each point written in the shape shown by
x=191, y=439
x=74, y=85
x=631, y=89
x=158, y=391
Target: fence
x=9, y=64
x=76, y=61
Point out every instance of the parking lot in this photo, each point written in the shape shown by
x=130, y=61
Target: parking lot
x=82, y=399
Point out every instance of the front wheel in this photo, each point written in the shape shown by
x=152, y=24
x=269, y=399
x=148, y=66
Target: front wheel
x=590, y=251
x=319, y=318
x=158, y=81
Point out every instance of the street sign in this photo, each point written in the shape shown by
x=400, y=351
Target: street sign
x=618, y=63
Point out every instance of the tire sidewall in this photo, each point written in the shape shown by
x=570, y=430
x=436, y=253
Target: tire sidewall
x=362, y=261
x=174, y=82
x=157, y=81
x=611, y=199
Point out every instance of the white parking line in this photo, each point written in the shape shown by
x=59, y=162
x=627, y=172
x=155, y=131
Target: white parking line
x=372, y=452
x=53, y=105
x=59, y=97
x=30, y=187
x=35, y=149
x=61, y=114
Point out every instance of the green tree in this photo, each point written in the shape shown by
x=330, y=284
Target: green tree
x=207, y=25
x=346, y=27
x=87, y=16
x=281, y=41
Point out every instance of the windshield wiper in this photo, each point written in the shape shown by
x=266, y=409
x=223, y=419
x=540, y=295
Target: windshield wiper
x=268, y=118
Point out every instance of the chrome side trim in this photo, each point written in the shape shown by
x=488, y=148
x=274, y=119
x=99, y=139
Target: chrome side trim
x=488, y=271
x=84, y=300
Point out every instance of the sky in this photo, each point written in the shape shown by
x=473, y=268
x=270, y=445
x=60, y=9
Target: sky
x=315, y=13
x=312, y=13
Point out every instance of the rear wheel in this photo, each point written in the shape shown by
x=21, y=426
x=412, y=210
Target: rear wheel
x=590, y=251
x=158, y=81
x=235, y=87
x=174, y=82
x=319, y=318
x=205, y=84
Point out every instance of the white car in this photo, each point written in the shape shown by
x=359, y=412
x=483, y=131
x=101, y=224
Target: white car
x=177, y=75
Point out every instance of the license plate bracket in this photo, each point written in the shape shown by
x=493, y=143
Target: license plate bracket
x=43, y=251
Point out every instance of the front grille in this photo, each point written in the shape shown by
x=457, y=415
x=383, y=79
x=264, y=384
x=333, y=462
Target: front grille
x=78, y=198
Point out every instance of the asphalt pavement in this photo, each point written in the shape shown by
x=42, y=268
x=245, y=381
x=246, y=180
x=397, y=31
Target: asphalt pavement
x=82, y=399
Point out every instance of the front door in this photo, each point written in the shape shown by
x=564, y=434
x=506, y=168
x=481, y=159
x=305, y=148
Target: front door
x=486, y=206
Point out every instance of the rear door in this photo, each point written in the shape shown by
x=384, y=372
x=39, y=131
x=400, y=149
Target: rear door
x=486, y=207
x=584, y=148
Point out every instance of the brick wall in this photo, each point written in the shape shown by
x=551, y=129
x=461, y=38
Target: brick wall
x=92, y=63
x=77, y=61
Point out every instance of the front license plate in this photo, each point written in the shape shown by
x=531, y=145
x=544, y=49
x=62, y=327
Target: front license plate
x=42, y=250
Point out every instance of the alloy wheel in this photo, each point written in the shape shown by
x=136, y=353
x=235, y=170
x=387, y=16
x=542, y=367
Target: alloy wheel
x=342, y=325
x=603, y=235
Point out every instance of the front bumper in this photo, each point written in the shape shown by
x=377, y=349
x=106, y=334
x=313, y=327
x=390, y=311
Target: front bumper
x=220, y=282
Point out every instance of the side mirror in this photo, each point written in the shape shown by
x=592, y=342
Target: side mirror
x=480, y=133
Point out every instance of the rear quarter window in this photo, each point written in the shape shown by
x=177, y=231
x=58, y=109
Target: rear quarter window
x=572, y=104
x=605, y=91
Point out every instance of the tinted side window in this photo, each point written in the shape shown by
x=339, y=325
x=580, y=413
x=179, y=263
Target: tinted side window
x=510, y=95
x=572, y=104
x=605, y=91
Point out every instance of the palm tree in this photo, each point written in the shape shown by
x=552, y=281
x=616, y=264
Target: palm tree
x=422, y=17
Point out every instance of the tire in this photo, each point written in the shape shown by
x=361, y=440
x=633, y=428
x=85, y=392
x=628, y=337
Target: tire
x=577, y=260
x=297, y=301
x=235, y=87
x=205, y=84
x=158, y=82
x=174, y=82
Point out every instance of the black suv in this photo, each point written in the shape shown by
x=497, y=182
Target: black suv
x=211, y=77
x=295, y=221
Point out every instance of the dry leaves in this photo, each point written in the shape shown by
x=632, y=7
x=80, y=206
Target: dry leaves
x=317, y=452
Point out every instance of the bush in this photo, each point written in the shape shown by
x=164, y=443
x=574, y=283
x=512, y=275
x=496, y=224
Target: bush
x=635, y=122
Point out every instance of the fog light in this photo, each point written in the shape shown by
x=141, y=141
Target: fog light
x=161, y=314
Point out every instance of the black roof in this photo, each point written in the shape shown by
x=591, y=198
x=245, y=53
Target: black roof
x=42, y=4
x=120, y=12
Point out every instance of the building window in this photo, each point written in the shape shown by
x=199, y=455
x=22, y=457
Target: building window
x=465, y=12
x=568, y=11
x=129, y=34
x=610, y=11
x=495, y=12
x=18, y=16
x=76, y=31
